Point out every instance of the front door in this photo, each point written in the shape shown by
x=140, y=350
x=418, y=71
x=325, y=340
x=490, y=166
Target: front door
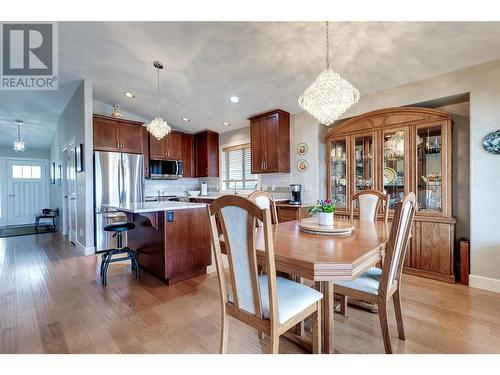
x=27, y=190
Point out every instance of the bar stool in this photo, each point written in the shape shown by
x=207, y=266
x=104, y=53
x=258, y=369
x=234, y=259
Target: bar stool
x=107, y=257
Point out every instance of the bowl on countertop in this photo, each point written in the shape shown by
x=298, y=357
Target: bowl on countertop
x=194, y=193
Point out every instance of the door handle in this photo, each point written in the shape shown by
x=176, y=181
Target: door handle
x=11, y=195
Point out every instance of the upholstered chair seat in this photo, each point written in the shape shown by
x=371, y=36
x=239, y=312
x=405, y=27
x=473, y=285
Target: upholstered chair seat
x=293, y=297
x=367, y=282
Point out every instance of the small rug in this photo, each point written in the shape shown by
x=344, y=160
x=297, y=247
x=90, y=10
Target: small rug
x=25, y=230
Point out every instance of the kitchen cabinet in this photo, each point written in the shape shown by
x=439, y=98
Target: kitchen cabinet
x=270, y=142
x=145, y=147
x=167, y=148
x=207, y=154
x=398, y=151
x=287, y=212
x=117, y=135
x=188, y=156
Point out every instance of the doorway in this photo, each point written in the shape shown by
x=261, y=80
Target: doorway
x=27, y=190
x=70, y=190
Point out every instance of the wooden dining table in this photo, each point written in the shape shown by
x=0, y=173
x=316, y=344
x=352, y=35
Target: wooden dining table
x=325, y=259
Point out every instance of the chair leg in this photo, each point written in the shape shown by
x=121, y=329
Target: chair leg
x=343, y=304
x=275, y=340
x=382, y=314
x=316, y=329
x=399, y=316
x=224, y=333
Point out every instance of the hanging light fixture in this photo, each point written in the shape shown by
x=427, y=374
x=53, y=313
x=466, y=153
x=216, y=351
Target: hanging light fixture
x=19, y=144
x=330, y=95
x=158, y=127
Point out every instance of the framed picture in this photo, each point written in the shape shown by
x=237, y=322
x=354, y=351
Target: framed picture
x=79, y=158
x=53, y=173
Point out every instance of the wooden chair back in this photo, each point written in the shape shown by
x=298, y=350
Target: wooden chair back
x=265, y=200
x=238, y=217
x=369, y=202
x=397, y=245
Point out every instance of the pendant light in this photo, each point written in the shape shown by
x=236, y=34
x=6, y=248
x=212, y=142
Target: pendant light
x=330, y=95
x=158, y=127
x=19, y=144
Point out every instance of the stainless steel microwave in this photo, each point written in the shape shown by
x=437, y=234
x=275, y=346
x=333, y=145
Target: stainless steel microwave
x=165, y=169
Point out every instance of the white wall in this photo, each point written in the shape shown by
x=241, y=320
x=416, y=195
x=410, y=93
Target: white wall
x=29, y=153
x=75, y=122
x=481, y=82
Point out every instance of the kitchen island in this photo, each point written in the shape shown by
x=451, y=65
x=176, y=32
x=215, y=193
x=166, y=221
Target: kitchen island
x=172, y=238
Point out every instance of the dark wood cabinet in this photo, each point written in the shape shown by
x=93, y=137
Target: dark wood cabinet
x=270, y=142
x=167, y=148
x=145, y=147
x=118, y=135
x=207, y=154
x=188, y=156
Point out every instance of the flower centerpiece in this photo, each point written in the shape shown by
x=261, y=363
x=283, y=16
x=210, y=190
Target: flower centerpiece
x=325, y=210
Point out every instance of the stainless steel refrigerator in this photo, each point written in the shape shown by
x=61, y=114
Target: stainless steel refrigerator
x=118, y=179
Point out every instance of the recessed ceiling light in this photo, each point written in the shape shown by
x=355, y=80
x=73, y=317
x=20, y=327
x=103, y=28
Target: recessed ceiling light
x=128, y=94
x=234, y=99
x=226, y=123
x=186, y=119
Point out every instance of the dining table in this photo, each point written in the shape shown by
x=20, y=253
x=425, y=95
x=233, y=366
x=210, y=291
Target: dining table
x=324, y=259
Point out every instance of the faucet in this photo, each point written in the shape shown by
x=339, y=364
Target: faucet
x=234, y=181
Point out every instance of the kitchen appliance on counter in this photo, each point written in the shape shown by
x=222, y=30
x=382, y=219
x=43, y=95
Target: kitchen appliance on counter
x=204, y=188
x=295, y=190
x=118, y=179
x=165, y=169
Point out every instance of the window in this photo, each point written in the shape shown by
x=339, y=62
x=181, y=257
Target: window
x=26, y=171
x=236, y=168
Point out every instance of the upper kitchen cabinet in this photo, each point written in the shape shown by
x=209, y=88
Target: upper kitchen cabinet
x=118, y=135
x=188, y=156
x=207, y=154
x=270, y=142
x=167, y=148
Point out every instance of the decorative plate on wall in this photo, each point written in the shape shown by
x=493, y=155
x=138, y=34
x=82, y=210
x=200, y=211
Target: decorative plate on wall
x=491, y=142
x=302, y=165
x=302, y=149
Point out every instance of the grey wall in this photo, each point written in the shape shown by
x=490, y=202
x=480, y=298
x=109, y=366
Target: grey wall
x=75, y=122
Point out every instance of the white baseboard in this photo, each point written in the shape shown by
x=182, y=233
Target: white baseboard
x=89, y=250
x=485, y=283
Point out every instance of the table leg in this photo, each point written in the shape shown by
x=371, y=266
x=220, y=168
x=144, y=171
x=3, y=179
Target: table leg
x=326, y=287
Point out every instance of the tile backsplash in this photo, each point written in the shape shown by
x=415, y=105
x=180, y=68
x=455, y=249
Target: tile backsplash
x=170, y=187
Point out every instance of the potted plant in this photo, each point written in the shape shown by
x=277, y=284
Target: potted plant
x=325, y=210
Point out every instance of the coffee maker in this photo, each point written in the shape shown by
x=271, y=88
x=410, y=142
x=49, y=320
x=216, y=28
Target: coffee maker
x=295, y=189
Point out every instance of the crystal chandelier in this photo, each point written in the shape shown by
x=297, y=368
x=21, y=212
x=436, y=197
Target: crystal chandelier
x=19, y=144
x=158, y=127
x=330, y=95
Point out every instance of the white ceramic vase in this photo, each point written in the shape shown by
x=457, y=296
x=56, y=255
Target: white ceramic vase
x=325, y=218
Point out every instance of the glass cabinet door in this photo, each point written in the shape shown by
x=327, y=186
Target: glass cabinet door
x=394, y=173
x=429, y=168
x=363, y=163
x=338, y=172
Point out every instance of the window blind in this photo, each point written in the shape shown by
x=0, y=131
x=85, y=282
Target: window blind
x=236, y=168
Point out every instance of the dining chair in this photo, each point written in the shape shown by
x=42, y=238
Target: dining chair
x=265, y=200
x=377, y=285
x=369, y=202
x=268, y=303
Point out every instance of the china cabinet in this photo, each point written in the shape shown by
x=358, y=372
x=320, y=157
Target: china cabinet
x=397, y=151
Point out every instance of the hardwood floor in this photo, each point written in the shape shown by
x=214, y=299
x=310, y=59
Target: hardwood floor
x=51, y=301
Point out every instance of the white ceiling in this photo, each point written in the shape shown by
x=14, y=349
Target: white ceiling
x=266, y=64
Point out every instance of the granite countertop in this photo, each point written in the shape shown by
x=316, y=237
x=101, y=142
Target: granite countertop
x=140, y=207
